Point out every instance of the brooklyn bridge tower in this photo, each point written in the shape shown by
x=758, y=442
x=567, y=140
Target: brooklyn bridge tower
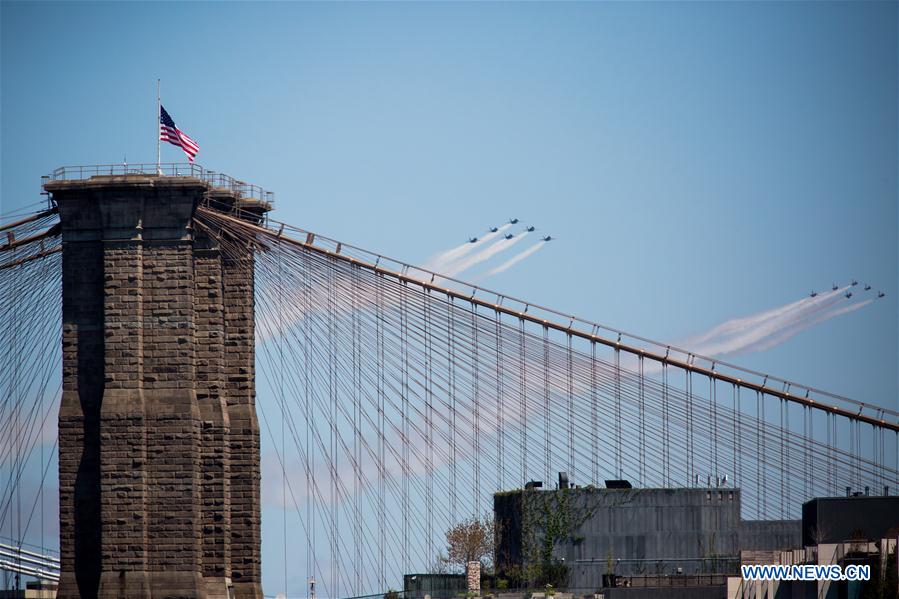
x=158, y=437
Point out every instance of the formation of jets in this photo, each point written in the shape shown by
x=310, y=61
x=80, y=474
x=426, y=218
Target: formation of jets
x=848, y=294
x=532, y=228
x=512, y=221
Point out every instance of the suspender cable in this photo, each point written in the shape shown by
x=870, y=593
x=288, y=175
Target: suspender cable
x=546, y=407
x=522, y=396
x=713, y=426
x=500, y=405
x=572, y=474
x=594, y=416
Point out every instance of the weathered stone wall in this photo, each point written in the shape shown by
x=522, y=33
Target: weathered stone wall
x=79, y=417
x=123, y=431
x=159, y=443
x=215, y=447
x=246, y=562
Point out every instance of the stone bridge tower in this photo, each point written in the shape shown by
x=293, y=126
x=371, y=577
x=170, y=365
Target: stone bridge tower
x=158, y=438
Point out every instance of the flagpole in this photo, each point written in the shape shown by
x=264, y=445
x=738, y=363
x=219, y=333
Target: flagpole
x=158, y=120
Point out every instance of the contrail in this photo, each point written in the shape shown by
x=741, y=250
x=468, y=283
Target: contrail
x=735, y=326
x=444, y=259
x=767, y=329
x=485, y=254
x=450, y=255
x=762, y=330
x=270, y=326
x=797, y=328
x=736, y=334
x=515, y=259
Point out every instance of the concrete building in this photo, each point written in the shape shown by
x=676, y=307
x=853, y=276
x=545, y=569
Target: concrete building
x=879, y=555
x=842, y=531
x=838, y=519
x=599, y=536
x=32, y=590
x=158, y=437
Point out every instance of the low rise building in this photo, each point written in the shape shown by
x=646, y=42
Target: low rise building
x=591, y=538
x=32, y=590
x=856, y=530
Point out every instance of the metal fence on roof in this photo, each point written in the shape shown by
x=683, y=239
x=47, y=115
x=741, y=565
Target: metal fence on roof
x=171, y=169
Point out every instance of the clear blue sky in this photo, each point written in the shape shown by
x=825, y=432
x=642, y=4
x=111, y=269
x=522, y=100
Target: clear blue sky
x=697, y=161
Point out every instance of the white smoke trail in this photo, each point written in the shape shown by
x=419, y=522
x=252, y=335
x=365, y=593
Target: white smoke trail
x=514, y=260
x=450, y=255
x=766, y=329
x=740, y=325
x=791, y=332
x=272, y=325
x=444, y=259
x=737, y=334
x=735, y=325
x=485, y=254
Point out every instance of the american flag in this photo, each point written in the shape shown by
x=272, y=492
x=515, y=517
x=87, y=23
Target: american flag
x=175, y=136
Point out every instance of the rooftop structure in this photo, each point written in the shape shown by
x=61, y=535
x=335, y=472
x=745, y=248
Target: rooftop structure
x=579, y=535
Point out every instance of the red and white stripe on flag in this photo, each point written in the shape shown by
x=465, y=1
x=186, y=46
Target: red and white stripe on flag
x=178, y=138
x=169, y=132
